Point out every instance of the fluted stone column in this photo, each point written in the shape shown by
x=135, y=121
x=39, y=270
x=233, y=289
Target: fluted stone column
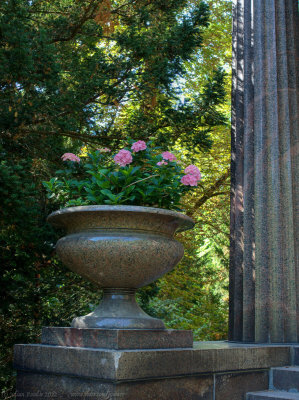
x=264, y=271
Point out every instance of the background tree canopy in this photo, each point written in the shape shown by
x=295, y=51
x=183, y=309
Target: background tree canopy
x=103, y=70
x=94, y=72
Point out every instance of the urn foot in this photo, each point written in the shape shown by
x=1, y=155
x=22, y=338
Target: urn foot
x=118, y=310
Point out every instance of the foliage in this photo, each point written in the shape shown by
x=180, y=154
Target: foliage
x=102, y=70
x=195, y=294
x=210, y=206
x=36, y=290
x=149, y=178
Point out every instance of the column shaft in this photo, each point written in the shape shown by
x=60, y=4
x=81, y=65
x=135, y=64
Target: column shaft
x=264, y=285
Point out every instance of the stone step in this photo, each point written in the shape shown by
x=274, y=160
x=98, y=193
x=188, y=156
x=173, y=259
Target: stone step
x=272, y=395
x=286, y=378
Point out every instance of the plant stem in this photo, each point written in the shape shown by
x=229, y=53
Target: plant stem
x=140, y=180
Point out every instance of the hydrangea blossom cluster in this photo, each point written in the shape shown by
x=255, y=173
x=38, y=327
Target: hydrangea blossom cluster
x=138, y=146
x=189, y=180
x=168, y=156
x=123, y=158
x=70, y=157
x=192, y=177
x=193, y=170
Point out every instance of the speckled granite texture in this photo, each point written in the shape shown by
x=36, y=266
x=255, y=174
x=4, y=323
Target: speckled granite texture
x=121, y=248
x=264, y=273
x=118, y=339
x=216, y=370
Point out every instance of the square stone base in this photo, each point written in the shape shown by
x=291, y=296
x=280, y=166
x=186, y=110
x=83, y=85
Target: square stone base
x=40, y=387
x=209, y=371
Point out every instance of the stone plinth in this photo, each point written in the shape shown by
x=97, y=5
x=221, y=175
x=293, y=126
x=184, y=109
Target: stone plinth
x=210, y=370
x=117, y=339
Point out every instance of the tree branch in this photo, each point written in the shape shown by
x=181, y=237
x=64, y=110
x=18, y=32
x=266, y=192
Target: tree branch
x=216, y=228
x=75, y=135
x=211, y=191
x=88, y=14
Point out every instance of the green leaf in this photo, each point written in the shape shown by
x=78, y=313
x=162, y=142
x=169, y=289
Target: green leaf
x=134, y=170
x=91, y=197
x=109, y=194
x=88, y=190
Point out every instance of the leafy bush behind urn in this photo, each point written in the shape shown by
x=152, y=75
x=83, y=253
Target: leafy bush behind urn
x=36, y=290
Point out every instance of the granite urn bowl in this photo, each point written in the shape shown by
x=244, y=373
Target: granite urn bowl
x=121, y=249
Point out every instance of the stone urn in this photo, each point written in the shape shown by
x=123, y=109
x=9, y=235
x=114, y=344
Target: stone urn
x=121, y=249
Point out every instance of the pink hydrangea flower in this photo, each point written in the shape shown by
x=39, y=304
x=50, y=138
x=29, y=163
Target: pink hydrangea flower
x=70, y=157
x=160, y=163
x=189, y=180
x=138, y=146
x=104, y=150
x=193, y=170
x=168, y=156
x=123, y=158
